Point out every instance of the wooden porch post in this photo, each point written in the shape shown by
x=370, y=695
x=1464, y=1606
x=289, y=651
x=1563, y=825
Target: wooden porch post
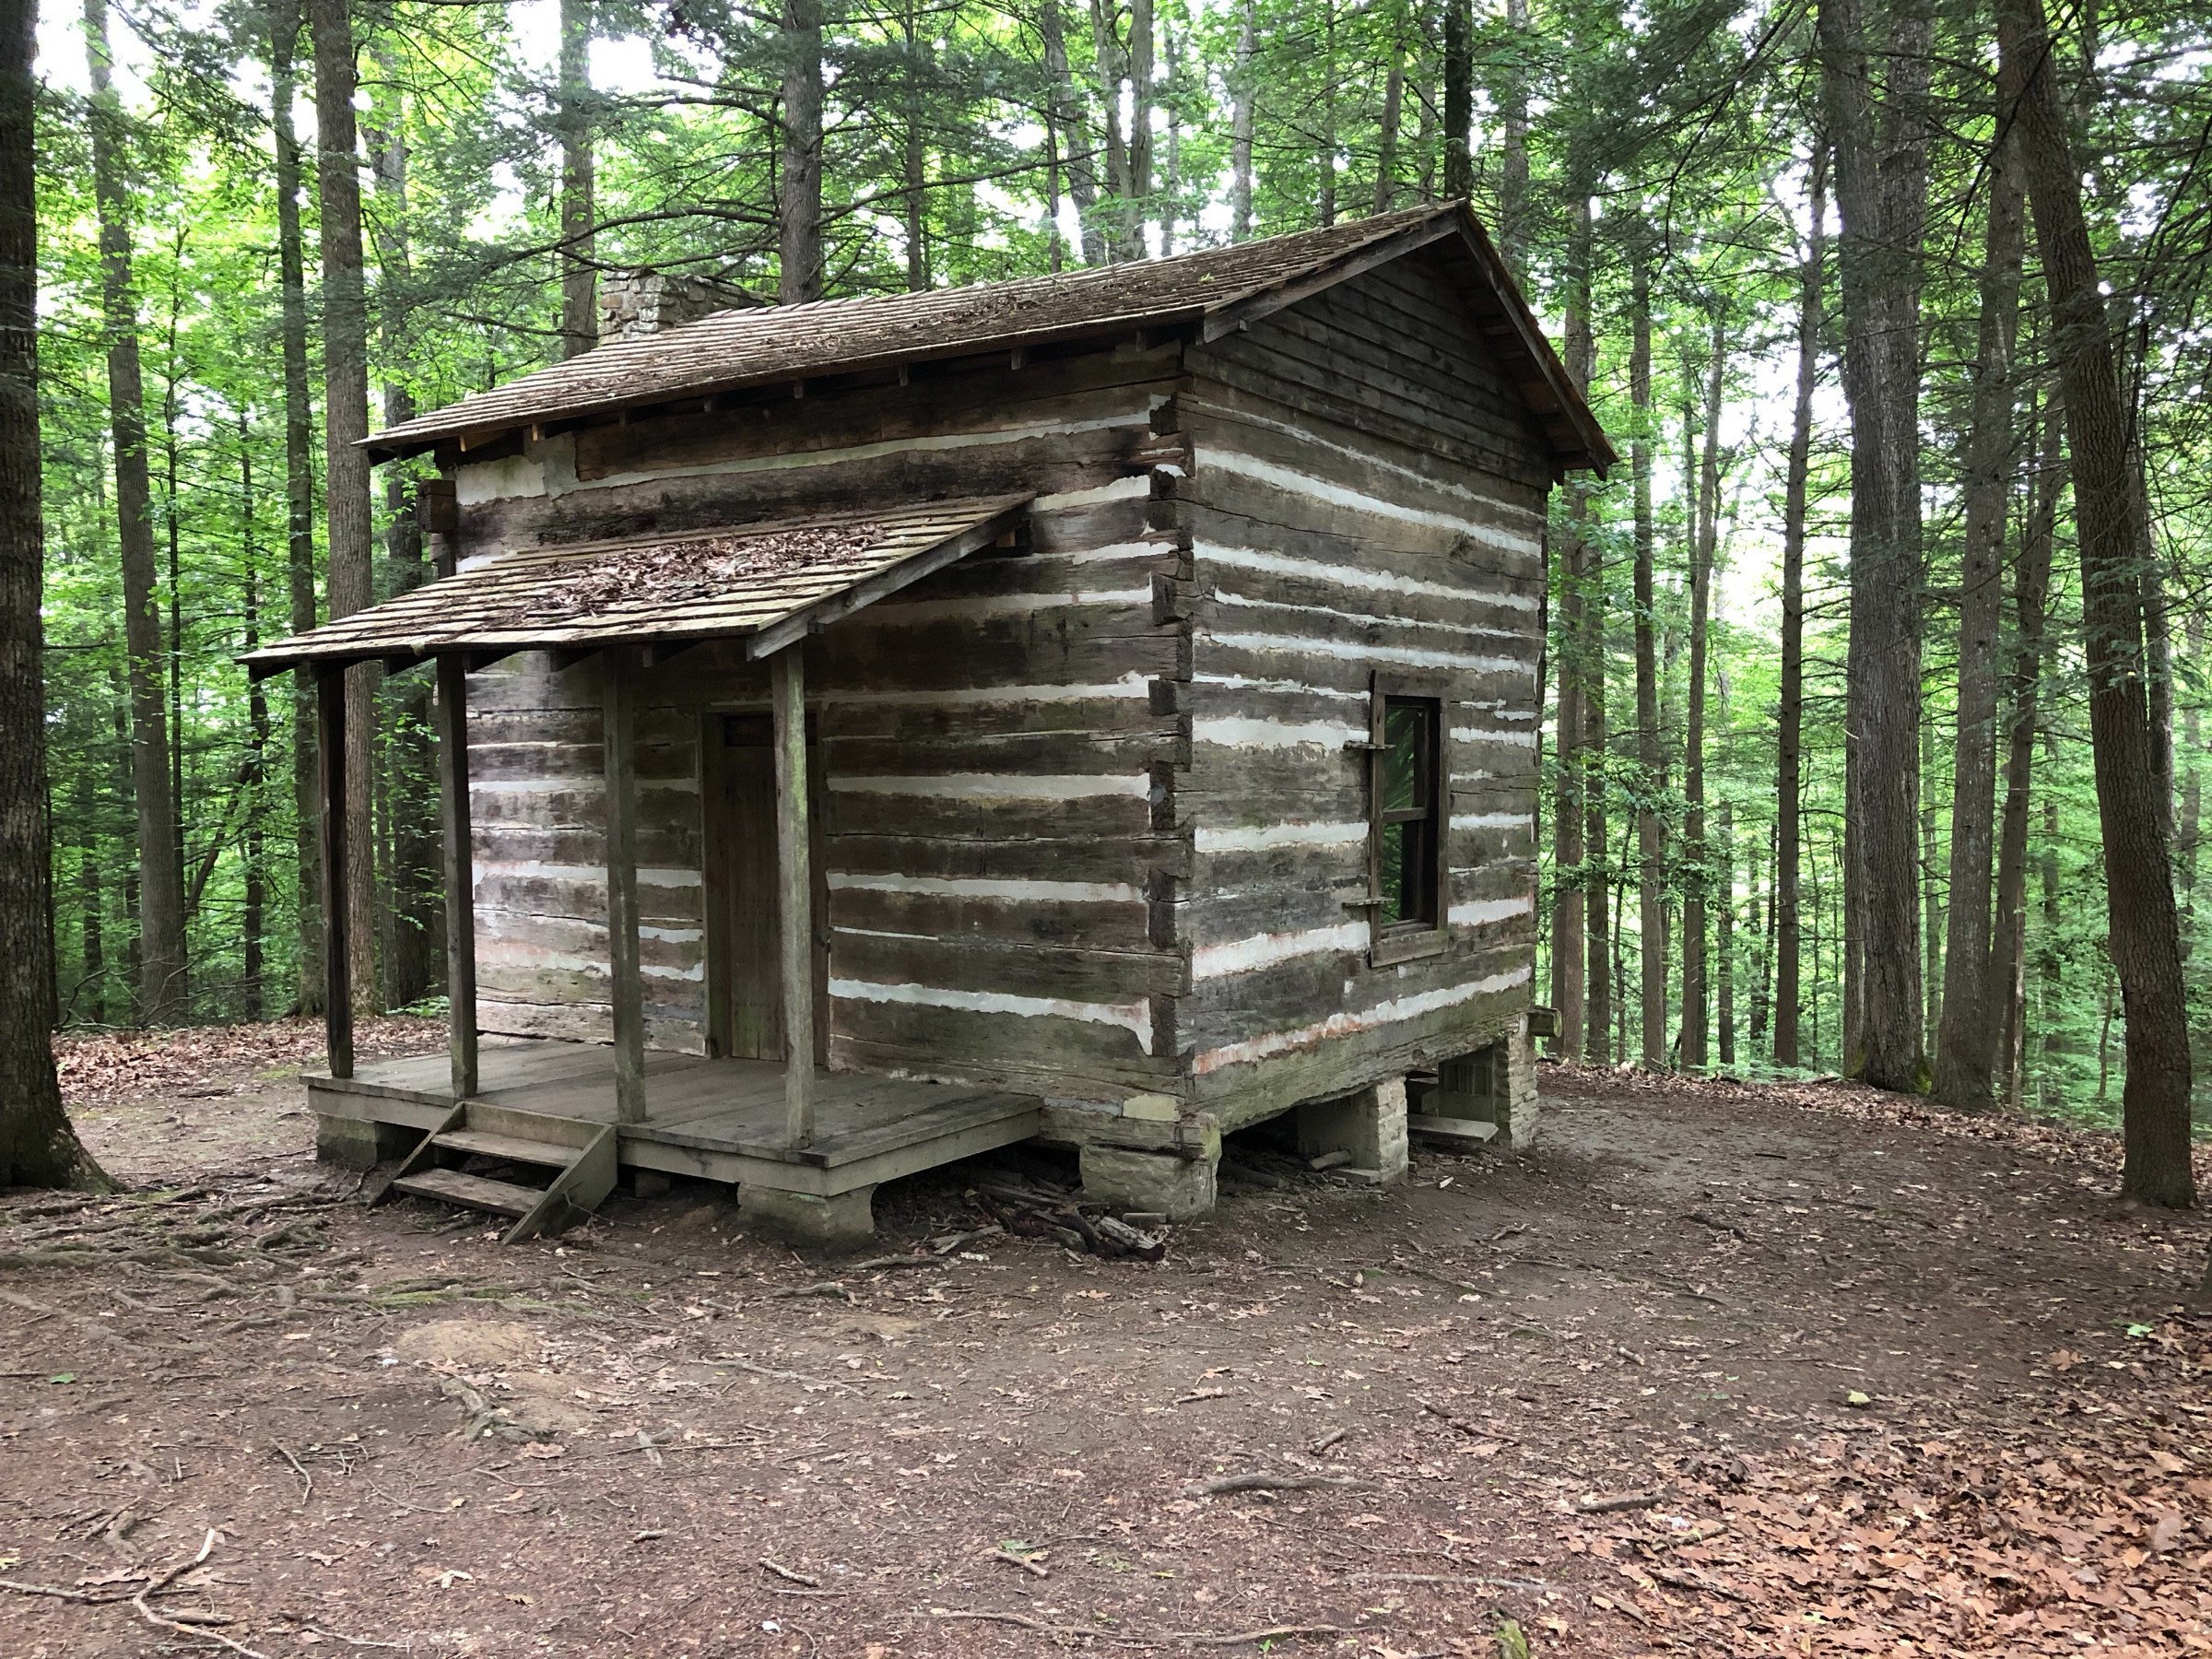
x=795, y=891
x=621, y=665
x=337, y=977
x=460, y=871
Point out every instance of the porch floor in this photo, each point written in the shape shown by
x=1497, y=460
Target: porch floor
x=719, y=1119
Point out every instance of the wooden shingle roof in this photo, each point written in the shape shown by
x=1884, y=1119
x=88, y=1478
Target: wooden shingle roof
x=1213, y=289
x=769, y=584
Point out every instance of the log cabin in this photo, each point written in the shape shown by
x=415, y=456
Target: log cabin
x=1101, y=708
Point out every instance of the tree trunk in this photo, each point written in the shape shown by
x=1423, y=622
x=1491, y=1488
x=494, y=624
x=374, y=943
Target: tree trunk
x=579, y=212
x=2115, y=545
x=1789, y=937
x=38, y=1147
x=915, y=159
x=1459, y=97
x=91, y=902
x=414, y=954
x=1931, y=891
x=1695, y=978
x=1513, y=167
x=1170, y=194
x=1065, y=117
x=1140, y=130
x=1724, y=946
x=1393, y=116
x=253, y=924
x=1324, y=162
x=2192, y=799
x=2008, y=957
x=799, y=179
x=172, y=524
x=1965, y=1043
x=163, y=986
x=1762, y=930
x=1243, y=93
x=346, y=465
x=1569, y=850
x=1650, y=829
x=1590, y=664
x=299, y=503
x=1881, y=190
x=1109, y=61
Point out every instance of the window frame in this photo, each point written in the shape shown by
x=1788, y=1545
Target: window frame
x=1405, y=941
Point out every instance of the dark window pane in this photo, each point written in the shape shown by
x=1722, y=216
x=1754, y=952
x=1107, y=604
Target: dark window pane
x=1408, y=744
x=1394, y=873
x=1417, y=885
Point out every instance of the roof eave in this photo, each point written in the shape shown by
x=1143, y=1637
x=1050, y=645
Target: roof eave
x=382, y=446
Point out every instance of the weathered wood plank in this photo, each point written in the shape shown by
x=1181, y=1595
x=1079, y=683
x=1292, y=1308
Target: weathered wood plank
x=622, y=806
x=795, y=891
x=976, y=400
x=993, y=969
x=338, y=966
x=1065, y=465
x=459, y=882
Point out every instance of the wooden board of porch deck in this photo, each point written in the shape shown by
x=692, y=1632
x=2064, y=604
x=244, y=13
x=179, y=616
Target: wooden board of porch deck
x=722, y=1119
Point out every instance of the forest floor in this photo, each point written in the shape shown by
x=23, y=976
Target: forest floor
x=1717, y=1369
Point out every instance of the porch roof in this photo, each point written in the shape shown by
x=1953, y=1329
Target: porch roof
x=770, y=583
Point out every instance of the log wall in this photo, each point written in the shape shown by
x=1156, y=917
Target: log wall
x=1366, y=495
x=990, y=739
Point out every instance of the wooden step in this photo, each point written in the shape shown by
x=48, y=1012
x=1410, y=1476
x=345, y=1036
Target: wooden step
x=1449, y=1128
x=514, y=1148
x=449, y=1186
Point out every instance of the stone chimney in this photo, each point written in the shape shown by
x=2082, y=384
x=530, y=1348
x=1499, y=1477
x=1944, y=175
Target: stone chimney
x=645, y=301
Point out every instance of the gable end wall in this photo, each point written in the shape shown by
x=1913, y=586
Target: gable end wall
x=1366, y=494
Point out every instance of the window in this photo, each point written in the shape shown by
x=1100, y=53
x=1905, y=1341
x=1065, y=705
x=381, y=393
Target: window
x=1408, y=795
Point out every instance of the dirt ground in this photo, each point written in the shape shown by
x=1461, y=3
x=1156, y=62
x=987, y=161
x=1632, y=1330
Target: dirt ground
x=1716, y=1370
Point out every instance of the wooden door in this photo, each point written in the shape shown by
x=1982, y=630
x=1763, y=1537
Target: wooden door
x=745, y=995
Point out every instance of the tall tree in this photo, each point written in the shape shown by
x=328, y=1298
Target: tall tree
x=164, y=986
x=2031, y=588
x=1394, y=113
x=1650, y=765
x=1696, y=988
x=1881, y=156
x=345, y=462
x=1570, y=850
x=2114, y=545
x=253, y=921
x=1459, y=96
x=411, y=910
x=1590, y=658
x=1724, y=946
x=1244, y=94
x=1790, y=737
x=1066, y=131
x=1512, y=167
x=799, y=179
x=38, y=1147
x=1965, y=1043
x=579, y=210
x=299, y=494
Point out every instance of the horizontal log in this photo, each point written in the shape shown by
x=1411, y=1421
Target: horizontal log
x=932, y=406
x=1108, y=916
x=952, y=969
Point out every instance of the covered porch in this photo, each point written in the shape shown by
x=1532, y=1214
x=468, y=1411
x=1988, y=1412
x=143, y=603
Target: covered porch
x=719, y=1120
x=807, y=1144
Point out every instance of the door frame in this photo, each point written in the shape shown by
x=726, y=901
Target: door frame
x=713, y=742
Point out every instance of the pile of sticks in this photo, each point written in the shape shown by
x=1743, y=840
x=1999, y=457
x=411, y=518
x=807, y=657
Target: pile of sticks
x=1029, y=1206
